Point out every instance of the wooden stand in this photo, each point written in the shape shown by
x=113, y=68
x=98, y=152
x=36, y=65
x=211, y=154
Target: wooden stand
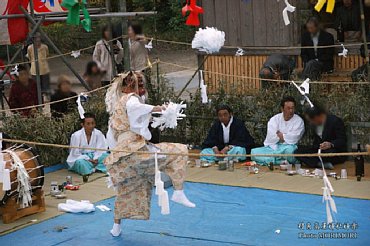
x=11, y=211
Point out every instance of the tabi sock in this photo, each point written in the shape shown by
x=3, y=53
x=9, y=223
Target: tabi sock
x=178, y=196
x=116, y=230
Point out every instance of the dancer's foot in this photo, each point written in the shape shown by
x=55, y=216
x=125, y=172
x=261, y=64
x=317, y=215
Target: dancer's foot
x=179, y=197
x=116, y=230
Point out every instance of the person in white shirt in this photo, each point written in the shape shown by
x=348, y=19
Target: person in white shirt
x=284, y=131
x=84, y=161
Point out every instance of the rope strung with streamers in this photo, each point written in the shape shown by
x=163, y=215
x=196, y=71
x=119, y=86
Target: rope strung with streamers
x=162, y=194
x=326, y=196
x=184, y=154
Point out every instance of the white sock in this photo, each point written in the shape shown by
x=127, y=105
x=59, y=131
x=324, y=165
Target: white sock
x=178, y=196
x=116, y=230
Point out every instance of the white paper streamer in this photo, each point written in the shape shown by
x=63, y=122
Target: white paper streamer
x=75, y=53
x=326, y=196
x=162, y=194
x=15, y=71
x=203, y=88
x=80, y=109
x=304, y=90
x=209, y=40
x=149, y=46
x=169, y=117
x=344, y=52
x=288, y=8
x=239, y=52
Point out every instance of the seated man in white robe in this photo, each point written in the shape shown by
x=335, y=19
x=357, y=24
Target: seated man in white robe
x=84, y=161
x=284, y=131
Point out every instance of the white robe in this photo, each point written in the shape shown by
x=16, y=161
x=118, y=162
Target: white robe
x=79, y=139
x=292, y=130
x=139, y=115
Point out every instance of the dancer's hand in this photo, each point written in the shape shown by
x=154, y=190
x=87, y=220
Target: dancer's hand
x=157, y=109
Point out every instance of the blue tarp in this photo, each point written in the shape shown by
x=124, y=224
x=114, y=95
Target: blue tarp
x=224, y=216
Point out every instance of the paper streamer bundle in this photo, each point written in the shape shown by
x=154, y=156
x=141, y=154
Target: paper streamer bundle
x=15, y=71
x=149, y=46
x=304, y=90
x=203, y=88
x=239, y=52
x=329, y=5
x=24, y=186
x=209, y=40
x=4, y=173
x=162, y=194
x=72, y=206
x=326, y=196
x=168, y=118
x=288, y=8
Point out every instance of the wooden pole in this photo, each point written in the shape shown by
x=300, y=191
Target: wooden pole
x=363, y=25
x=37, y=63
x=126, y=48
x=108, y=8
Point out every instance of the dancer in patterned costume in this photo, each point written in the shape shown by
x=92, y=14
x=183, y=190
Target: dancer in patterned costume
x=132, y=174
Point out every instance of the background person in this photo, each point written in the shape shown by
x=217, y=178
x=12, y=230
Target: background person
x=228, y=135
x=58, y=110
x=102, y=55
x=23, y=92
x=93, y=75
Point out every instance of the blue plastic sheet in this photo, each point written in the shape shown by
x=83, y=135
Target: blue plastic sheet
x=224, y=216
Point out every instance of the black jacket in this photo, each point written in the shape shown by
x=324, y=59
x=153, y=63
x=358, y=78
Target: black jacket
x=324, y=55
x=334, y=132
x=239, y=136
x=281, y=63
x=61, y=108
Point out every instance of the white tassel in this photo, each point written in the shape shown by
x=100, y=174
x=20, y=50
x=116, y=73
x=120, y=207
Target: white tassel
x=239, y=52
x=15, y=71
x=168, y=118
x=203, y=88
x=326, y=196
x=288, y=8
x=149, y=46
x=162, y=194
x=344, y=52
x=80, y=109
x=209, y=40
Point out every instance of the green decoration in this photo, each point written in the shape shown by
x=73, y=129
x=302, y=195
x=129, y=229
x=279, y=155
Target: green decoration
x=73, y=18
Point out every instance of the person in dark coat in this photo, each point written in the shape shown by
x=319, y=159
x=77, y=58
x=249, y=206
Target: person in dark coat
x=228, y=135
x=58, y=110
x=329, y=136
x=316, y=60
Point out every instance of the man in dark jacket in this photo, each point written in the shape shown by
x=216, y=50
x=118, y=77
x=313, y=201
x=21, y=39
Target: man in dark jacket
x=228, y=135
x=330, y=137
x=276, y=66
x=316, y=60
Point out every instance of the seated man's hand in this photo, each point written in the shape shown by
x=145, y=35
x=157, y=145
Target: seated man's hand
x=280, y=136
x=94, y=162
x=215, y=149
x=325, y=145
x=225, y=150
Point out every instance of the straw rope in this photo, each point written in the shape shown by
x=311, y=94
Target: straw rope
x=179, y=153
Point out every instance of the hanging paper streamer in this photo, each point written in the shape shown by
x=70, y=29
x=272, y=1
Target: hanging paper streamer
x=50, y=1
x=80, y=98
x=326, y=196
x=304, y=90
x=149, y=46
x=344, y=52
x=193, y=18
x=15, y=71
x=168, y=118
x=4, y=173
x=209, y=40
x=73, y=18
x=203, y=88
x=329, y=5
x=162, y=194
x=288, y=8
x=239, y=52
x=75, y=53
